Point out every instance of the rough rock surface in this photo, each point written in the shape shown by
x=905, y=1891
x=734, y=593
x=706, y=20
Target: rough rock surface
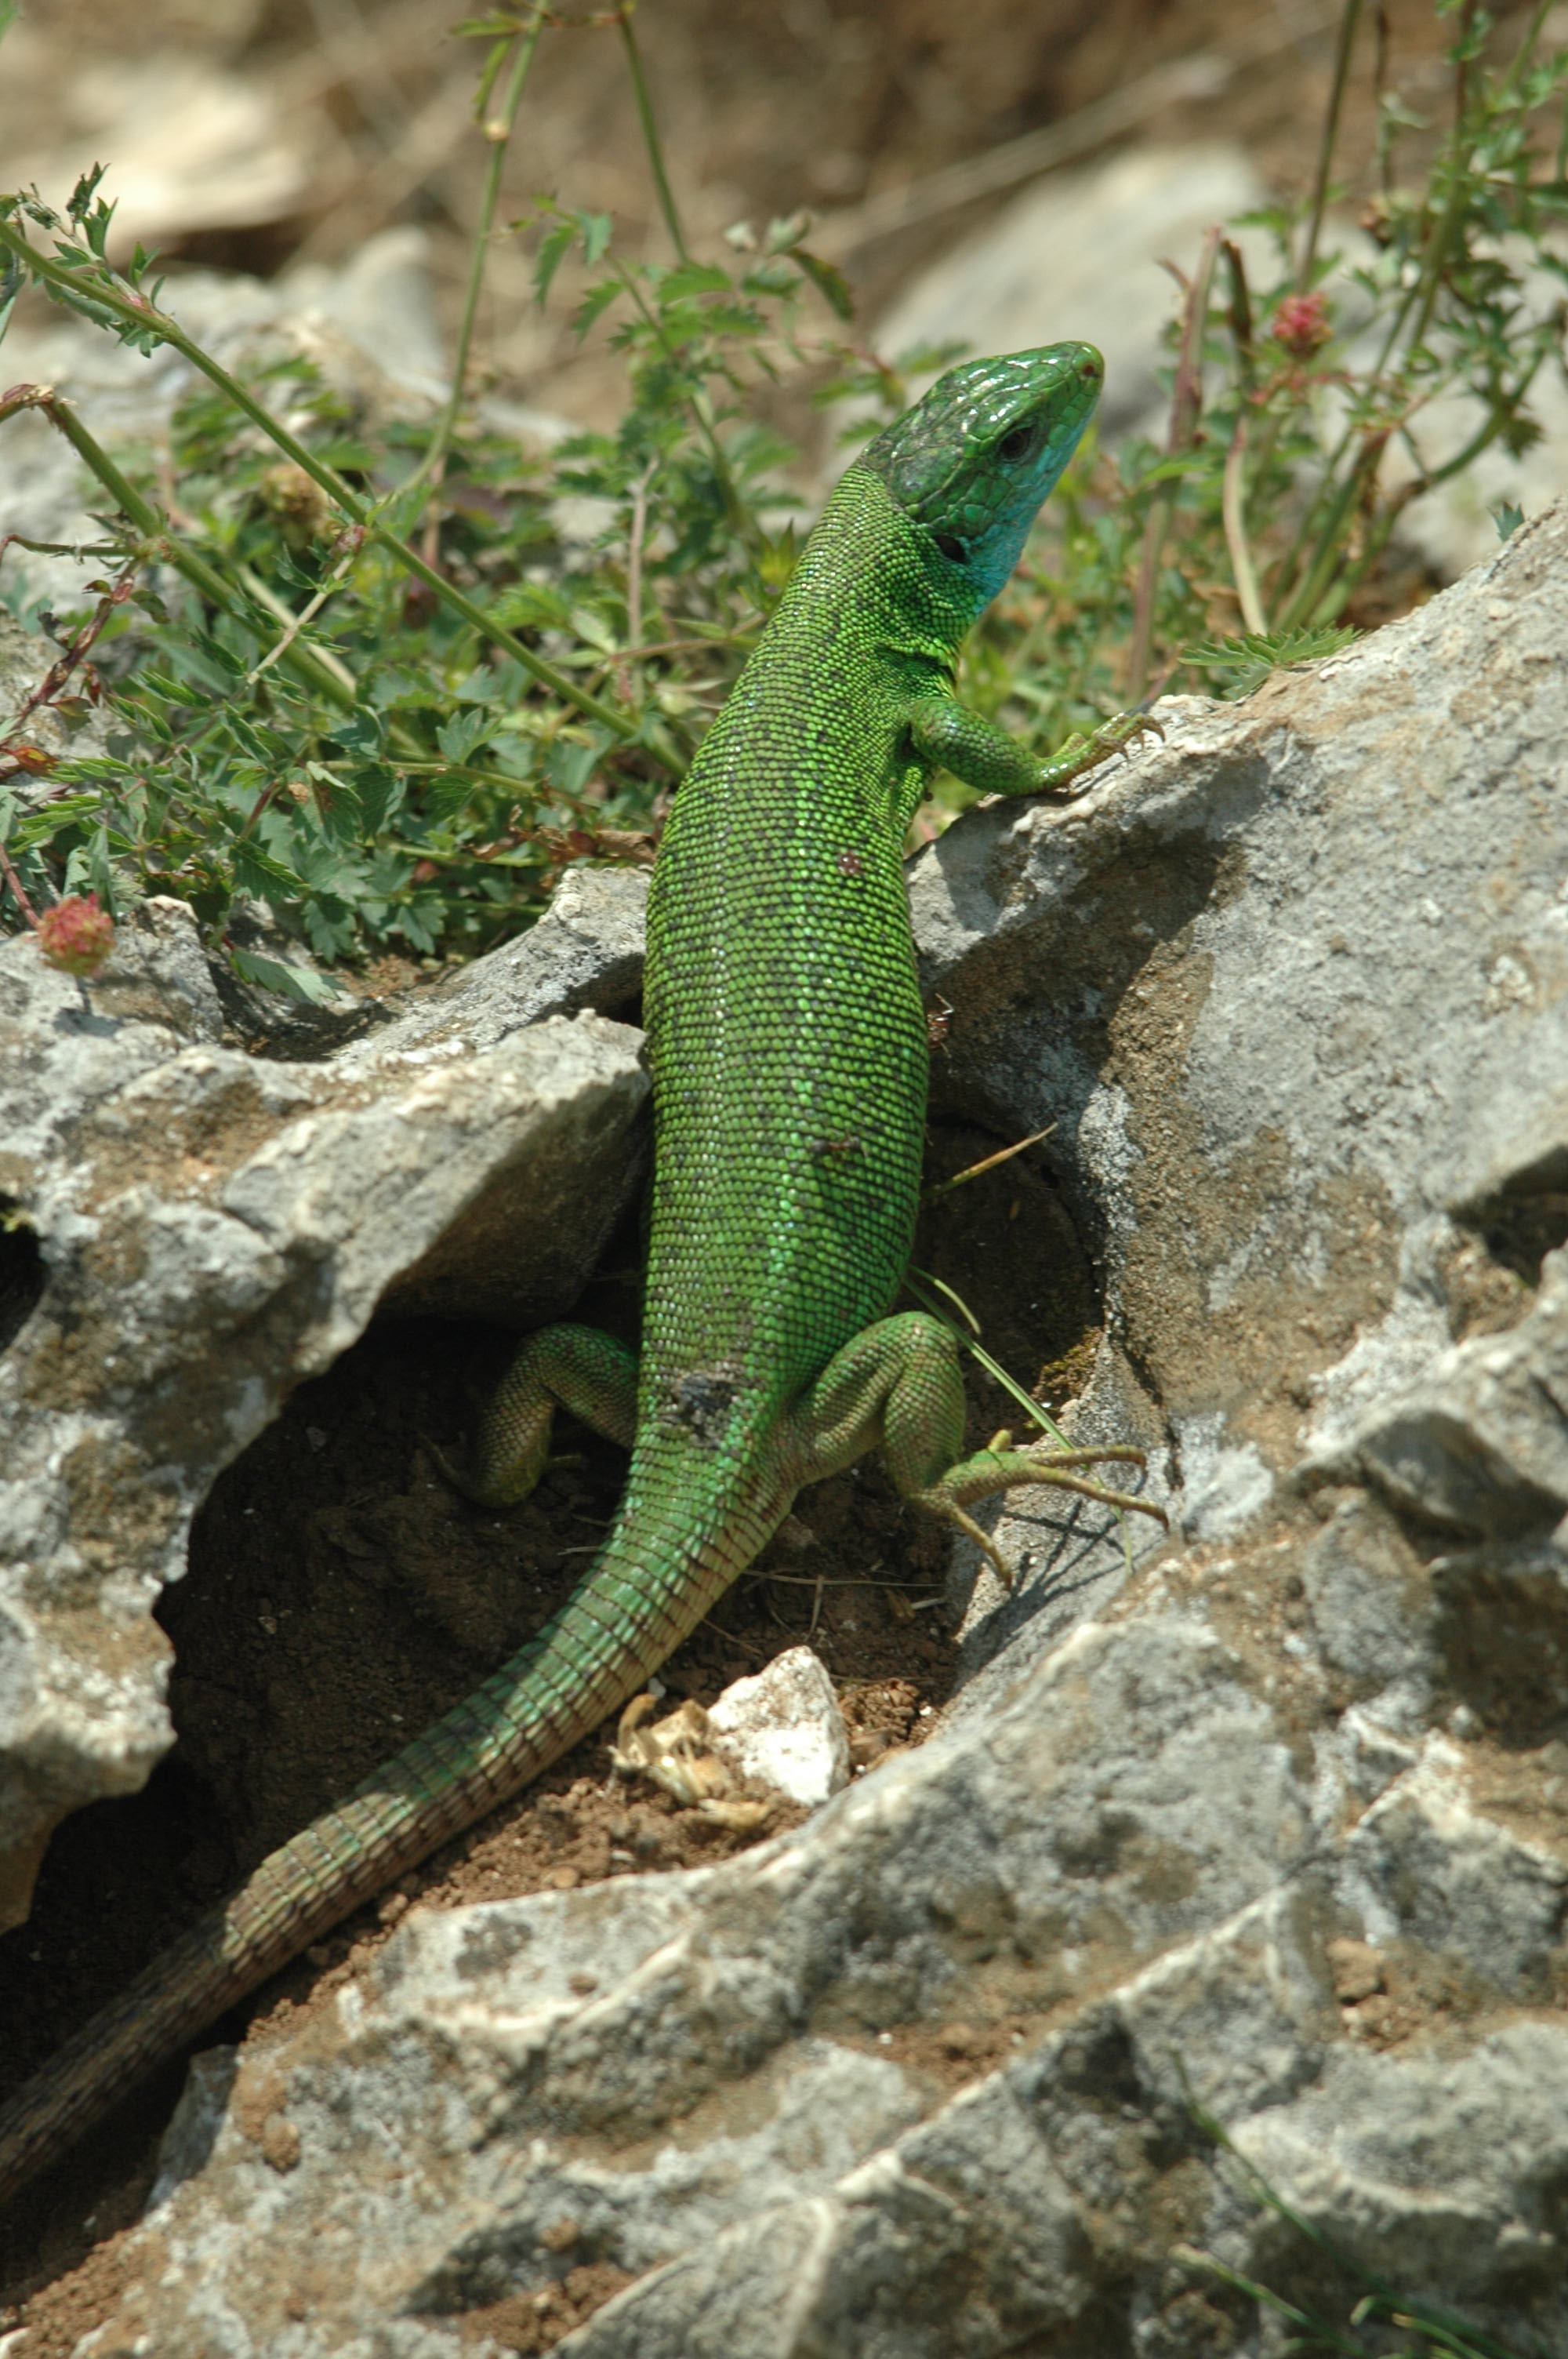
x=785, y=1727
x=1274, y=1824
x=190, y=1232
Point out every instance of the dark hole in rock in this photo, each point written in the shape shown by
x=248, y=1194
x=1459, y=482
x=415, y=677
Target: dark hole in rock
x=341, y=1595
x=1525, y=1219
x=22, y=1273
x=1504, y=1637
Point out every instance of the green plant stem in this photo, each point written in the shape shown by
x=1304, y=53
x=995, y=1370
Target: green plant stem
x=498, y=132
x=734, y=506
x=322, y=672
x=623, y=15
x=1378, y=539
x=302, y=661
x=1436, y=262
x=9, y=876
x=1349, y=22
x=347, y=688
x=1185, y=404
x=989, y=1163
x=1461, y=140
x=1233, y=514
x=1476, y=2343
x=1316, y=580
x=1325, y=2337
x=1424, y=294
x=99, y=286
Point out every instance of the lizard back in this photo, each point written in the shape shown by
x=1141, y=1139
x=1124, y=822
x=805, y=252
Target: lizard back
x=787, y=1035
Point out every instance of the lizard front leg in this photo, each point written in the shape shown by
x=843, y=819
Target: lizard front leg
x=897, y=1386
x=948, y=734
x=569, y=1367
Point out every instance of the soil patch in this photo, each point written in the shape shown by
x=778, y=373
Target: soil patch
x=341, y=1595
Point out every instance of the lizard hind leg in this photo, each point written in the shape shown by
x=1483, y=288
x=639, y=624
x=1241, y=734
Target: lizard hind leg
x=898, y=1384
x=580, y=1369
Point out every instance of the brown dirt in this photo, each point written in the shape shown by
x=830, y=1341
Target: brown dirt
x=341, y=1595
x=763, y=109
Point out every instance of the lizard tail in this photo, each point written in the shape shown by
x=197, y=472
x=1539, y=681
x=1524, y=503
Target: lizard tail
x=656, y=1578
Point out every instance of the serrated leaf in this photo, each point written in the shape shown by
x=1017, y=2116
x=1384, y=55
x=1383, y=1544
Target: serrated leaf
x=81, y=198
x=263, y=745
x=692, y=278
x=594, y=304
x=568, y=766
x=527, y=604
x=1255, y=654
x=41, y=826
x=595, y=228
x=458, y=736
x=258, y=873
x=553, y=247
x=592, y=629
x=173, y=692
x=291, y=981
x=380, y=791
x=446, y=796
x=829, y=283
x=358, y=730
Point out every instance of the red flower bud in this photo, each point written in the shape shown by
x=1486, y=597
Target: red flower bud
x=76, y=936
x=1300, y=324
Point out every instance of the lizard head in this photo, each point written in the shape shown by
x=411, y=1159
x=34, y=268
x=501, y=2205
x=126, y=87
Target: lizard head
x=974, y=459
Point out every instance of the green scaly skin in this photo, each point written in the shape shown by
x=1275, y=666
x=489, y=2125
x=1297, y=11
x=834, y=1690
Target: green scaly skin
x=789, y=1055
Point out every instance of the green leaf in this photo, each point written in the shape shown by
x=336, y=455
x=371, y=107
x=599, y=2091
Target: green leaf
x=358, y=730
x=527, y=605
x=1508, y=519
x=80, y=201
x=264, y=748
x=569, y=767
x=379, y=793
x=594, y=304
x=692, y=278
x=829, y=283
x=458, y=736
x=289, y=982
x=258, y=873
x=445, y=798
x=8, y=16
x=499, y=49
x=552, y=248
x=595, y=228
x=1252, y=657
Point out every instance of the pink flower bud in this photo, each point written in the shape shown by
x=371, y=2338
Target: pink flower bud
x=1300, y=324
x=77, y=936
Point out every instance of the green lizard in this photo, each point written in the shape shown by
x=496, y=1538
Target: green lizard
x=789, y=1055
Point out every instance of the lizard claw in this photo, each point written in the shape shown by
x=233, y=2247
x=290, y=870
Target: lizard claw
x=1068, y=772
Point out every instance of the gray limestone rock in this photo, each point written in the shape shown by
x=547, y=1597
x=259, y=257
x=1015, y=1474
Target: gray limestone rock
x=190, y=1232
x=1268, y=1827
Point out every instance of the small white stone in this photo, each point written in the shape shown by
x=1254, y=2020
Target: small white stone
x=784, y=1727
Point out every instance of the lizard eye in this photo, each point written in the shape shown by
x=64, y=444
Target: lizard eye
x=1017, y=446
x=952, y=549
